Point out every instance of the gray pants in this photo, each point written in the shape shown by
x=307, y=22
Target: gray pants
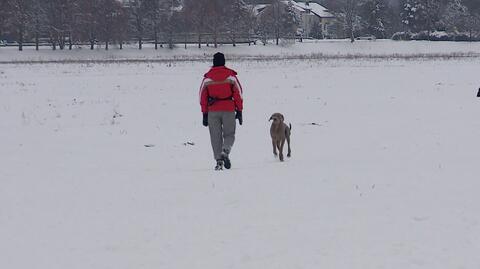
x=222, y=131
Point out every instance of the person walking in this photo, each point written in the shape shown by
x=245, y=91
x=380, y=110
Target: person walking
x=221, y=103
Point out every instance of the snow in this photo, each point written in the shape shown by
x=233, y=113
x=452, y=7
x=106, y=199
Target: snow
x=383, y=174
x=308, y=50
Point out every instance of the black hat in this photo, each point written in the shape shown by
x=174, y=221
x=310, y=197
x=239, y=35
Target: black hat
x=218, y=59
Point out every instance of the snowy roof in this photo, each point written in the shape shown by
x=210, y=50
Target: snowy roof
x=295, y=6
x=315, y=8
x=177, y=8
x=257, y=9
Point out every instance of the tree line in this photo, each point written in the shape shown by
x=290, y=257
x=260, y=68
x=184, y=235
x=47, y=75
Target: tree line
x=63, y=24
x=407, y=19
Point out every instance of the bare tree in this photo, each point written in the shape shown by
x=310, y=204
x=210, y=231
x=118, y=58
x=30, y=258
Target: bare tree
x=276, y=7
x=215, y=18
x=350, y=16
x=278, y=20
x=108, y=13
x=21, y=14
x=456, y=16
x=87, y=21
x=120, y=25
x=171, y=19
x=237, y=19
x=196, y=13
x=473, y=24
x=38, y=20
x=60, y=17
x=4, y=12
x=139, y=16
x=269, y=22
x=154, y=14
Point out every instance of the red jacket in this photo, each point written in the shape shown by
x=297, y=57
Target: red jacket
x=221, y=90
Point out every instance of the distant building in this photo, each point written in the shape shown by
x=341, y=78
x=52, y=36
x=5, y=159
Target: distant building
x=312, y=13
x=130, y=3
x=313, y=17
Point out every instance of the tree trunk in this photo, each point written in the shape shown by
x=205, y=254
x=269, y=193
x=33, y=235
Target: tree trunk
x=470, y=28
x=61, y=42
x=37, y=45
x=170, y=39
x=140, y=31
x=199, y=40
x=215, y=35
x=156, y=38
x=20, y=39
x=37, y=26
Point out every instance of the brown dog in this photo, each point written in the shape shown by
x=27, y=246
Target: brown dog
x=280, y=132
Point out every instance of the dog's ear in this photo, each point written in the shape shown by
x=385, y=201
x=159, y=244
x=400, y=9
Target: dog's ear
x=282, y=118
x=271, y=118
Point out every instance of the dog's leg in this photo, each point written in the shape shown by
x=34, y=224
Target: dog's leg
x=274, y=148
x=289, y=153
x=280, y=149
x=277, y=145
x=287, y=136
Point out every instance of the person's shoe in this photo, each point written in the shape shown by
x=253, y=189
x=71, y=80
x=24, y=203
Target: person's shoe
x=219, y=165
x=226, y=160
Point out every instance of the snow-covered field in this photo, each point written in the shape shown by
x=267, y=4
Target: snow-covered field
x=323, y=49
x=386, y=177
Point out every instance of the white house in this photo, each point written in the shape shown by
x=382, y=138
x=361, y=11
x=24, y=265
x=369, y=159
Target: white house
x=311, y=13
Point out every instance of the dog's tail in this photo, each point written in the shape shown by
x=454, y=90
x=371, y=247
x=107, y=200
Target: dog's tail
x=290, y=125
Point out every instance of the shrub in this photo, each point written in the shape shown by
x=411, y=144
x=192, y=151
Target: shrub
x=402, y=36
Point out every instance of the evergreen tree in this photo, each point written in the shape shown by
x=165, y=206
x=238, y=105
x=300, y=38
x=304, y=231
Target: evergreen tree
x=316, y=31
x=421, y=15
x=411, y=15
x=375, y=17
x=288, y=21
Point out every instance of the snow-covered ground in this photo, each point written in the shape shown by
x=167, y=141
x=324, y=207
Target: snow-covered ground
x=384, y=172
x=309, y=49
